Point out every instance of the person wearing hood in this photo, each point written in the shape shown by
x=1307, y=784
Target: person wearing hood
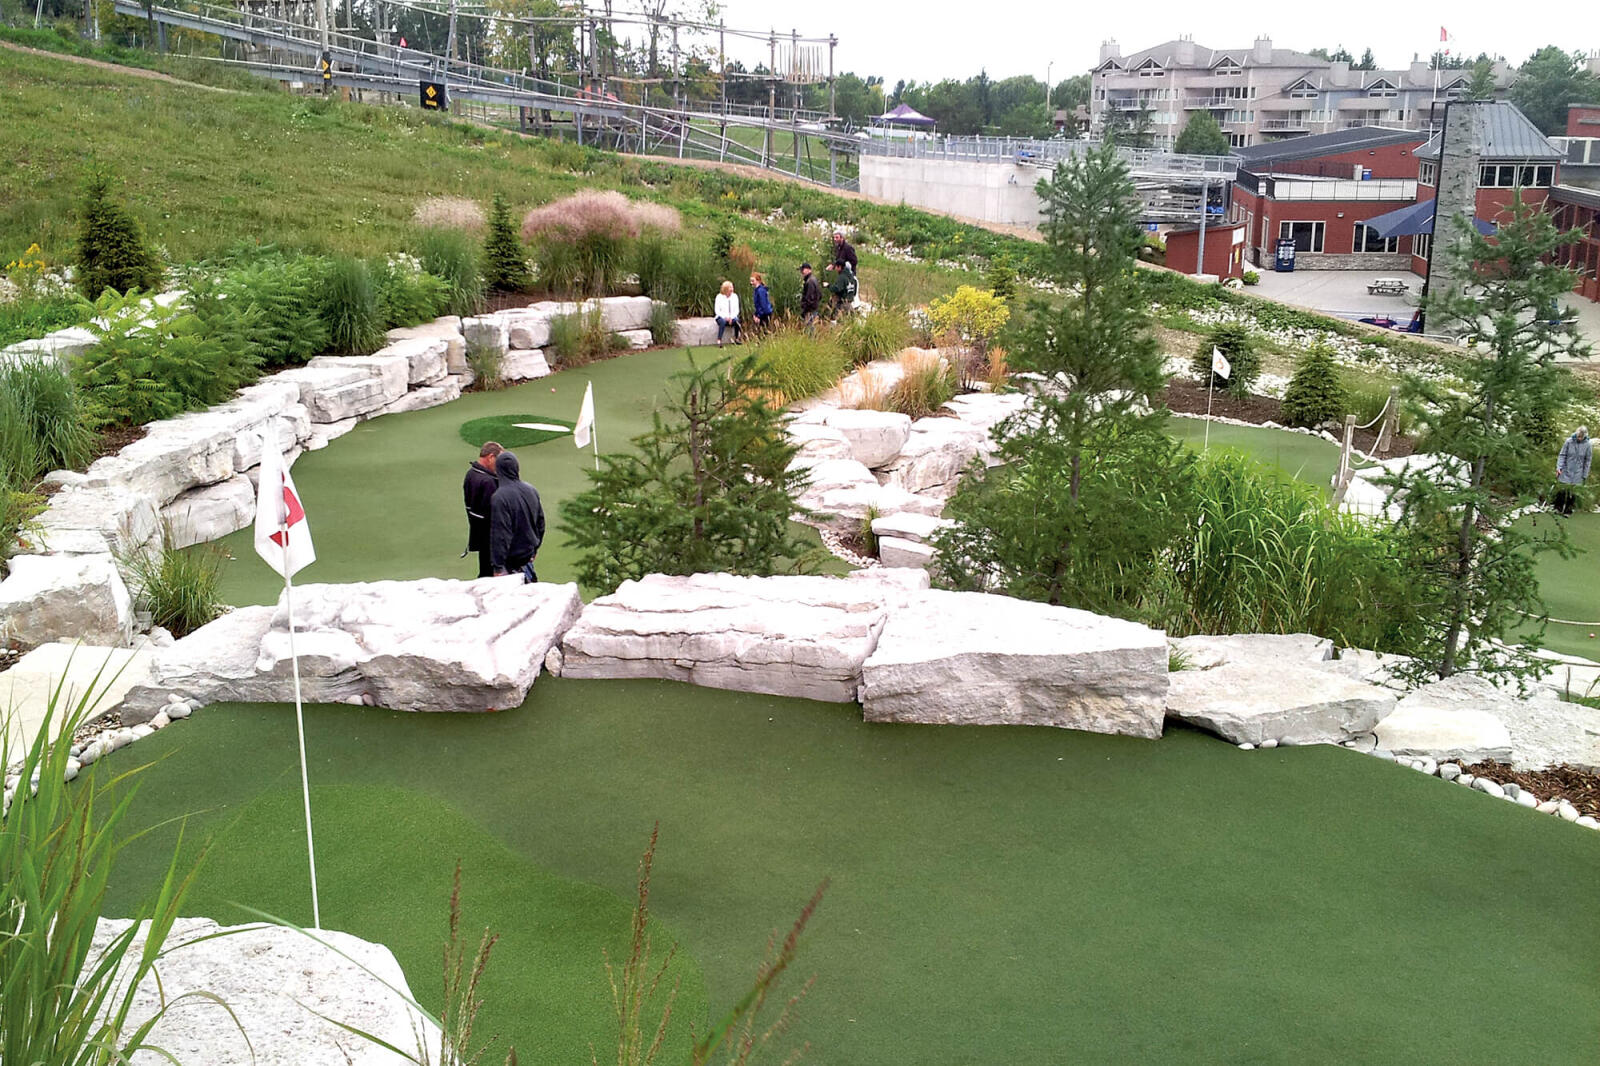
x=516, y=520
x=477, y=488
x=1572, y=468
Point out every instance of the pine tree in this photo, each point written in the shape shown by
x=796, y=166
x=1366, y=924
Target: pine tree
x=1201, y=136
x=1316, y=393
x=1473, y=563
x=1233, y=340
x=505, y=263
x=111, y=251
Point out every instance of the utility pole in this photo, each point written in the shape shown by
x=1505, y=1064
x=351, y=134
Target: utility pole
x=772, y=93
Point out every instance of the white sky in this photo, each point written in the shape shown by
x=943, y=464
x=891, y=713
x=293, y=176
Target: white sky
x=926, y=41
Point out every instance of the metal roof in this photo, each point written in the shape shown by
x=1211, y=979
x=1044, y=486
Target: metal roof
x=1503, y=132
x=1325, y=144
x=1572, y=194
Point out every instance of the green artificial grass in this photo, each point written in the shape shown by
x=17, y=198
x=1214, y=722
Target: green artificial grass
x=1307, y=458
x=1568, y=586
x=998, y=895
x=509, y=434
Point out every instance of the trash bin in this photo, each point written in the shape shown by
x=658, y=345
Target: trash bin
x=1284, y=259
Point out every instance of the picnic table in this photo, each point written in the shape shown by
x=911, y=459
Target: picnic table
x=1387, y=287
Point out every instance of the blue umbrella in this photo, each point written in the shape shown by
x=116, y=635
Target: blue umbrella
x=1413, y=219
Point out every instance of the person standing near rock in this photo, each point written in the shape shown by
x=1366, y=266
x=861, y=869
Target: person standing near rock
x=810, y=295
x=843, y=253
x=477, y=488
x=1572, y=468
x=762, y=301
x=516, y=521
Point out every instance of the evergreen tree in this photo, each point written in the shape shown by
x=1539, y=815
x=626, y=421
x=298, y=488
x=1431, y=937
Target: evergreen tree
x=708, y=488
x=1201, y=136
x=505, y=262
x=1549, y=81
x=1474, y=565
x=1367, y=61
x=1481, y=85
x=111, y=251
x=1233, y=340
x=1316, y=393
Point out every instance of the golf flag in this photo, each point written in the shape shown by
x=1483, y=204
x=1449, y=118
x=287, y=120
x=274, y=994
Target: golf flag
x=283, y=538
x=1219, y=363
x=581, y=431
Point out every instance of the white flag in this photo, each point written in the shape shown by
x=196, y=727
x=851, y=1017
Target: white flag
x=580, y=432
x=283, y=538
x=1219, y=363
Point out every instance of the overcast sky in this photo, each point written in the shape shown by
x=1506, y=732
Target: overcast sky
x=926, y=41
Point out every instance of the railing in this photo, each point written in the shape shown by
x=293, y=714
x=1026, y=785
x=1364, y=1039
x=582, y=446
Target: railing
x=1212, y=103
x=1404, y=191
x=1285, y=124
x=1040, y=153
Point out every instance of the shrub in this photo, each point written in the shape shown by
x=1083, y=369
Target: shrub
x=1366, y=395
x=663, y=324
x=1001, y=279
x=486, y=362
x=874, y=336
x=796, y=364
x=43, y=423
x=1250, y=277
x=26, y=319
x=975, y=315
x=722, y=244
x=505, y=260
x=580, y=337
x=450, y=212
x=178, y=586
x=111, y=252
x=407, y=294
x=18, y=506
x=1233, y=340
x=285, y=297
x=742, y=260
x=926, y=384
x=452, y=256
x=1316, y=392
x=350, y=309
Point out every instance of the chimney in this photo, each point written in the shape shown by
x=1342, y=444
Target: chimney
x=1420, y=71
x=1110, y=49
x=1263, y=50
x=1339, y=73
x=1185, y=52
x=1594, y=64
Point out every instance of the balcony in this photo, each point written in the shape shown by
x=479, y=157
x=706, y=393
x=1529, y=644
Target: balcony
x=1128, y=103
x=1212, y=103
x=1291, y=124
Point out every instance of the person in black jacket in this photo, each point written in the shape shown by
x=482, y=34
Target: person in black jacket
x=844, y=253
x=477, y=488
x=516, y=521
x=810, y=295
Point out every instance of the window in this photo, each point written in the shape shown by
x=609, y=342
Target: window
x=1426, y=173
x=1303, y=91
x=1421, y=244
x=1151, y=69
x=1226, y=68
x=1367, y=240
x=1307, y=236
x=1238, y=140
x=1544, y=176
x=1383, y=89
x=1515, y=175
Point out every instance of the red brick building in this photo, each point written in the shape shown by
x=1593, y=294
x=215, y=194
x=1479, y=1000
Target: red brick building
x=1579, y=209
x=1224, y=250
x=1583, y=120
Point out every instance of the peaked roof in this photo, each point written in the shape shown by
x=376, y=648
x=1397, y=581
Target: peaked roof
x=1167, y=55
x=906, y=115
x=1258, y=155
x=1503, y=132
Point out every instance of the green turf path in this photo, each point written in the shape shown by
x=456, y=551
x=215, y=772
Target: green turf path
x=1000, y=895
x=1307, y=458
x=1569, y=586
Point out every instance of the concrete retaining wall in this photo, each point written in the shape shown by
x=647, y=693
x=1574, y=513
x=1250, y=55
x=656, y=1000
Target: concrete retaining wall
x=983, y=192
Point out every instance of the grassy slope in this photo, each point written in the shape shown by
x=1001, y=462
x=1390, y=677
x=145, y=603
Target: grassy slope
x=999, y=894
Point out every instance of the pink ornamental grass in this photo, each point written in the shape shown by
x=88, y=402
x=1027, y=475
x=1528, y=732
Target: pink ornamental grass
x=597, y=213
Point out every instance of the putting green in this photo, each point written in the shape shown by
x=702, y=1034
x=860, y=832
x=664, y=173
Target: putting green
x=999, y=895
x=1300, y=456
x=514, y=431
x=1569, y=586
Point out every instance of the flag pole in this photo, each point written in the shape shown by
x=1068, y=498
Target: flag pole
x=1211, y=385
x=300, y=726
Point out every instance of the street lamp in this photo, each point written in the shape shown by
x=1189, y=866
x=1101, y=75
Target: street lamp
x=1047, y=68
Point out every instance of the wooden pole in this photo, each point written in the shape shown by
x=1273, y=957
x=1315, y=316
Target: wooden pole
x=1342, y=478
x=1390, y=423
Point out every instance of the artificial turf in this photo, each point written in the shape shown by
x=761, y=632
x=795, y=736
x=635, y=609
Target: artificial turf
x=1569, y=587
x=1307, y=458
x=998, y=894
x=514, y=430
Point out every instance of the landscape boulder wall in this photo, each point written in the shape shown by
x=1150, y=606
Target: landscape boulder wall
x=428, y=645
x=272, y=983
x=969, y=658
x=784, y=636
x=78, y=597
x=1466, y=718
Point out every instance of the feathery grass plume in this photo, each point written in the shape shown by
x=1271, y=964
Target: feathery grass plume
x=589, y=213
x=637, y=982
x=996, y=371
x=927, y=382
x=865, y=389
x=450, y=212
x=662, y=219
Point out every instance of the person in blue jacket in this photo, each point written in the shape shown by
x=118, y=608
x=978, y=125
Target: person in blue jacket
x=762, y=302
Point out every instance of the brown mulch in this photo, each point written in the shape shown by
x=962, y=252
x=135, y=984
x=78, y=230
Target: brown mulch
x=1186, y=397
x=1581, y=788
x=113, y=439
x=9, y=657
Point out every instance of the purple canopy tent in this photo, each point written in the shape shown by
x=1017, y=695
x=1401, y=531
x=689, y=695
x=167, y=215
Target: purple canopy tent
x=904, y=115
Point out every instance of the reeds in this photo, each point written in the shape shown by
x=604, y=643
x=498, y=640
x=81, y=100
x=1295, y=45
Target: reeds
x=927, y=382
x=178, y=586
x=450, y=213
x=797, y=364
x=43, y=425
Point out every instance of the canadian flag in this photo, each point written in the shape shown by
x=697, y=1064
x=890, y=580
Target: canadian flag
x=283, y=538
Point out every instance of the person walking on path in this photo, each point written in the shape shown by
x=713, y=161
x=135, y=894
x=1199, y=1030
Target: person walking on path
x=1572, y=468
x=727, y=312
x=810, y=295
x=843, y=288
x=843, y=253
x=477, y=488
x=762, y=300
x=516, y=521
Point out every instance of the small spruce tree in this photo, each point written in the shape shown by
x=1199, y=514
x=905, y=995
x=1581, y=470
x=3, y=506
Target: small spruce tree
x=1316, y=393
x=111, y=252
x=505, y=263
x=1233, y=340
x=1201, y=136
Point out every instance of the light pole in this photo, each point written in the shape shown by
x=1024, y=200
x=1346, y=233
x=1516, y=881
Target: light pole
x=1048, y=117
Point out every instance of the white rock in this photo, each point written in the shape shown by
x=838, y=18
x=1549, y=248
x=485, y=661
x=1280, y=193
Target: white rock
x=337, y=388
x=446, y=391
x=66, y=597
x=355, y=701
x=936, y=454
x=696, y=332
x=487, y=331
x=1527, y=799
x=637, y=339
x=1209, y=652
x=1488, y=787
x=1250, y=699
x=275, y=982
x=895, y=552
x=974, y=659
x=426, y=358
x=1540, y=731
x=787, y=636
x=179, y=710
x=95, y=521
x=178, y=454
x=818, y=441
x=72, y=769
x=875, y=437
x=141, y=731
x=909, y=525
x=1247, y=746
x=529, y=327
x=1449, y=771
x=524, y=365
x=446, y=328
x=1269, y=743
x=552, y=661
x=160, y=638
x=208, y=513
x=325, y=433
x=1588, y=822
x=1548, y=807
x=161, y=720
x=1512, y=789
x=1466, y=779
x=1566, y=811
x=623, y=314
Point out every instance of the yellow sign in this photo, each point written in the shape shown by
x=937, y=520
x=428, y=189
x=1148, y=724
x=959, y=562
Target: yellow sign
x=433, y=96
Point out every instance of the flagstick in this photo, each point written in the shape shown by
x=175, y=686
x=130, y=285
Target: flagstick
x=594, y=438
x=300, y=725
x=1211, y=385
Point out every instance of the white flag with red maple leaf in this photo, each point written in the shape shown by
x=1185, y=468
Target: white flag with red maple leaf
x=283, y=538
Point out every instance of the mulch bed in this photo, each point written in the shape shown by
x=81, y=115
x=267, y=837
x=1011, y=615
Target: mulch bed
x=1186, y=397
x=113, y=439
x=1578, y=787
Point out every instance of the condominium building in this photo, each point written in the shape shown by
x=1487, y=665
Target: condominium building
x=1262, y=93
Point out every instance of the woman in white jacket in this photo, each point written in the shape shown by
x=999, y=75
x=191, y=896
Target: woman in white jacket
x=727, y=309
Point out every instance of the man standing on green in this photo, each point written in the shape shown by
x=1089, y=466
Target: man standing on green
x=1572, y=468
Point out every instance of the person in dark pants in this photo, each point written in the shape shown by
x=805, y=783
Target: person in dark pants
x=810, y=295
x=477, y=488
x=843, y=288
x=516, y=521
x=762, y=301
x=1572, y=468
x=843, y=253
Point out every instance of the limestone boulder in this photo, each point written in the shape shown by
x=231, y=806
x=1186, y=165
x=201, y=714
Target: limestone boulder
x=426, y=358
x=95, y=521
x=1543, y=731
x=910, y=525
x=274, y=989
x=1444, y=734
x=1253, y=700
x=336, y=388
x=447, y=328
x=875, y=437
x=622, y=314
x=65, y=597
x=1209, y=652
x=325, y=433
x=215, y=663
x=205, y=514
x=817, y=441
x=935, y=455
x=520, y=365
x=785, y=636
x=100, y=676
x=426, y=396
x=176, y=455
x=986, y=410
x=969, y=658
x=529, y=327
x=63, y=344
x=898, y=552
x=487, y=331
x=636, y=339
x=695, y=332
x=288, y=430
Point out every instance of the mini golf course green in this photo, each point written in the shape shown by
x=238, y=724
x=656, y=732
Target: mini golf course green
x=1308, y=458
x=1570, y=586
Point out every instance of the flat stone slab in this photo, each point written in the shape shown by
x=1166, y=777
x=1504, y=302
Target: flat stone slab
x=102, y=675
x=899, y=552
x=204, y=514
x=969, y=658
x=272, y=983
x=1253, y=700
x=428, y=645
x=1540, y=730
x=49, y=597
x=909, y=525
x=785, y=636
x=1444, y=734
x=875, y=437
x=1208, y=652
